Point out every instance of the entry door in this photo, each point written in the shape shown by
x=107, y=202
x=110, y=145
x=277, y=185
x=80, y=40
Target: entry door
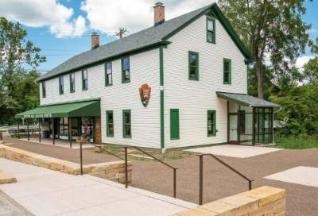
x=233, y=127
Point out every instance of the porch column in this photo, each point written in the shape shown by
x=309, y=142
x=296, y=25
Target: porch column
x=28, y=130
x=40, y=137
x=254, y=121
x=18, y=124
x=70, y=131
x=53, y=131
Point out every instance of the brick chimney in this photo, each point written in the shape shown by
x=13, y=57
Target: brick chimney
x=95, y=40
x=159, y=13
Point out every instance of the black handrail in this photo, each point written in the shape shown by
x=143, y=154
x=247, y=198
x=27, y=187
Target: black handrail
x=155, y=158
x=223, y=163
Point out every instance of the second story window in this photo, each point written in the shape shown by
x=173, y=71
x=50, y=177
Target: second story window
x=227, y=71
x=84, y=79
x=210, y=29
x=125, y=70
x=72, y=82
x=108, y=74
x=193, y=66
x=61, y=84
x=43, y=89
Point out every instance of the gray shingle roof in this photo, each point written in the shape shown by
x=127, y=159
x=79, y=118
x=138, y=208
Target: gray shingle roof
x=246, y=100
x=137, y=41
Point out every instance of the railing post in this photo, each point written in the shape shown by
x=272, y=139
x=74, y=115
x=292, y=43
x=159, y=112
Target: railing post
x=200, y=179
x=126, y=168
x=175, y=182
x=81, y=156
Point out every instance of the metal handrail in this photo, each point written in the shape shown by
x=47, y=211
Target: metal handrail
x=223, y=163
x=155, y=158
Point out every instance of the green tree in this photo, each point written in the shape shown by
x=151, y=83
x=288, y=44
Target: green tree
x=19, y=59
x=273, y=30
x=311, y=71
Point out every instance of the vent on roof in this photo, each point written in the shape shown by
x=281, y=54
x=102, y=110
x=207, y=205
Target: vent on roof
x=95, y=40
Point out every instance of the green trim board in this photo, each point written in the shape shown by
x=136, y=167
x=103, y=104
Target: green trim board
x=79, y=109
x=161, y=65
x=174, y=124
x=193, y=67
x=162, y=120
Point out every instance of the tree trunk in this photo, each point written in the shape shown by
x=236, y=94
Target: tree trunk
x=260, y=78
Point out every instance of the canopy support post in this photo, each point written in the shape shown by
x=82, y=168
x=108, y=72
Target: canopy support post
x=28, y=129
x=70, y=131
x=40, y=138
x=254, y=129
x=18, y=125
x=53, y=131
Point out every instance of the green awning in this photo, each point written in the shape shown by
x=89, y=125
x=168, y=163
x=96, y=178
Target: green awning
x=246, y=100
x=76, y=109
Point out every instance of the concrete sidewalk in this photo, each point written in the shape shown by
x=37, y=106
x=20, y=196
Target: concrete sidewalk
x=45, y=192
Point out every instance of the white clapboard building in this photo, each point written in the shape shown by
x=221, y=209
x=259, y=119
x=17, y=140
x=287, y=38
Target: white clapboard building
x=181, y=82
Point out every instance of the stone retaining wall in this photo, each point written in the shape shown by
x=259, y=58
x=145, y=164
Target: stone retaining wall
x=114, y=170
x=258, y=202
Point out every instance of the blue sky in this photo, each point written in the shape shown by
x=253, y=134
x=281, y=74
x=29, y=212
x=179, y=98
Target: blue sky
x=62, y=28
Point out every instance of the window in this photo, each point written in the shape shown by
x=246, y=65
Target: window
x=174, y=124
x=210, y=29
x=125, y=70
x=109, y=123
x=108, y=74
x=227, y=71
x=211, y=123
x=72, y=82
x=126, y=124
x=242, y=122
x=61, y=84
x=193, y=65
x=43, y=89
x=84, y=79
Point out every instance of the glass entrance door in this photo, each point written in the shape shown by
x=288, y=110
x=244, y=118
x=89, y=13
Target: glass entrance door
x=233, y=127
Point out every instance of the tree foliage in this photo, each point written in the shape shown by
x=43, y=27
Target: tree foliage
x=18, y=61
x=272, y=29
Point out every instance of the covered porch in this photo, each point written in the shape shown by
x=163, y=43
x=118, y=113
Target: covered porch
x=249, y=119
x=59, y=124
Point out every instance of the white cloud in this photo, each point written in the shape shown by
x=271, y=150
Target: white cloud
x=109, y=15
x=301, y=61
x=40, y=13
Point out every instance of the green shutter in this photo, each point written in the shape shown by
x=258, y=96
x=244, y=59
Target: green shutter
x=174, y=124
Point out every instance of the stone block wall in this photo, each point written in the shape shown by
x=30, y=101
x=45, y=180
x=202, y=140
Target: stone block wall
x=114, y=170
x=261, y=201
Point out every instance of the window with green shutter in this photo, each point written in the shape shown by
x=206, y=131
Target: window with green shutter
x=126, y=124
x=174, y=124
x=227, y=67
x=211, y=122
x=109, y=123
x=210, y=29
x=193, y=65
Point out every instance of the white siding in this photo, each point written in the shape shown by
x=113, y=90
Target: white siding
x=194, y=98
x=144, y=68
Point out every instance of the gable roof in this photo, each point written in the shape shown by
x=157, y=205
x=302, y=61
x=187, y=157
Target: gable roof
x=142, y=40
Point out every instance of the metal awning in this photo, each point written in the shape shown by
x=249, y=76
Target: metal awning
x=75, y=109
x=246, y=100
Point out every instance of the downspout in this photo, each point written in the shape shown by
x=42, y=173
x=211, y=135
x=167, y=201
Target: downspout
x=162, y=112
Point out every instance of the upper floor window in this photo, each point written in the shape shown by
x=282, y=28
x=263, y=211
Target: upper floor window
x=43, y=89
x=125, y=70
x=84, y=79
x=108, y=74
x=193, y=65
x=210, y=28
x=72, y=82
x=227, y=65
x=61, y=84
